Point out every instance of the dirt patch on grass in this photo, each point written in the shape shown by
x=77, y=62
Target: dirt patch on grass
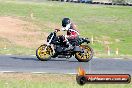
x=21, y=32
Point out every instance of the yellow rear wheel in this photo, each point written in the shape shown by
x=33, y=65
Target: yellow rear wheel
x=44, y=52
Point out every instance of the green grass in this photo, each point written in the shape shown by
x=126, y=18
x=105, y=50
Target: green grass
x=30, y=84
x=113, y=22
x=49, y=81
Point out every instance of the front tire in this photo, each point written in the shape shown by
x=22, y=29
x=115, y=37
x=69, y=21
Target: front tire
x=86, y=55
x=44, y=54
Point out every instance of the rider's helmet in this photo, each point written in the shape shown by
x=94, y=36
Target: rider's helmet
x=65, y=22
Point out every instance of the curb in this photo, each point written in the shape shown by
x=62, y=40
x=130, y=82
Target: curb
x=37, y=72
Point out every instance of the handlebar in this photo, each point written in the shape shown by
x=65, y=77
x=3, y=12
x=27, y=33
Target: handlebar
x=56, y=30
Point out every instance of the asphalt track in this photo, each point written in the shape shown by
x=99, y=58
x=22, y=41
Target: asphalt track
x=15, y=63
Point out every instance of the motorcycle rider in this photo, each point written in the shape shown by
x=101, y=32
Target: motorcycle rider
x=71, y=29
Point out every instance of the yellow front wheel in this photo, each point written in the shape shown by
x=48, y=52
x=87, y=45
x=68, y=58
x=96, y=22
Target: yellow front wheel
x=86, y=55
x=44, y=52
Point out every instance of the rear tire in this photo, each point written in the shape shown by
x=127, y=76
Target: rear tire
x=86, y=56
x=42, y=54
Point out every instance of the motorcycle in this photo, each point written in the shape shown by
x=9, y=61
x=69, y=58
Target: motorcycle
x=81, y=51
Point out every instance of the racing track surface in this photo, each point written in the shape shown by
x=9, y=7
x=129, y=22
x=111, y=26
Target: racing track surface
x=59, y=65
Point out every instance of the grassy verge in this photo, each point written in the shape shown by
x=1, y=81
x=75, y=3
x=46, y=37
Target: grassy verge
x=109, y=25
x=25, y=80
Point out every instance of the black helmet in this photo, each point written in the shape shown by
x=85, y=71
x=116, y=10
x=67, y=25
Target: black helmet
x=65, y=21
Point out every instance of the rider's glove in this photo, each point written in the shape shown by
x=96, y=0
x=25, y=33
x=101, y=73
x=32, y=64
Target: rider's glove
x=66, y=28
x=63, y=29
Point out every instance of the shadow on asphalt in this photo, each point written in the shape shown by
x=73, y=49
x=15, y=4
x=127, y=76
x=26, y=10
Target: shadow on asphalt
x=56, y=60
x=22, y=58
x=63, y=59
x=51, y=60
x=35, y=59
x=78, y=61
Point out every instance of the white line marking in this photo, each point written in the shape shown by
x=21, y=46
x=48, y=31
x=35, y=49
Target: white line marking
x=38, y=72
x=32, y=55
x=7, y=71
x=8, y=54
x=117, y=58
x=35, y=72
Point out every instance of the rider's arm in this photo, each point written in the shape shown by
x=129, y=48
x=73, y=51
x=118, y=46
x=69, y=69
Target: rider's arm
x=66, y=28
x=74, y=26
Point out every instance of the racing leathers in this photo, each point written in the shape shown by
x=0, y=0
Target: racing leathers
x=72, y=33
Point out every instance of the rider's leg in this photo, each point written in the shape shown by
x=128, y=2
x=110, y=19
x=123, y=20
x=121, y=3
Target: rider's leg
x=68, y=43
